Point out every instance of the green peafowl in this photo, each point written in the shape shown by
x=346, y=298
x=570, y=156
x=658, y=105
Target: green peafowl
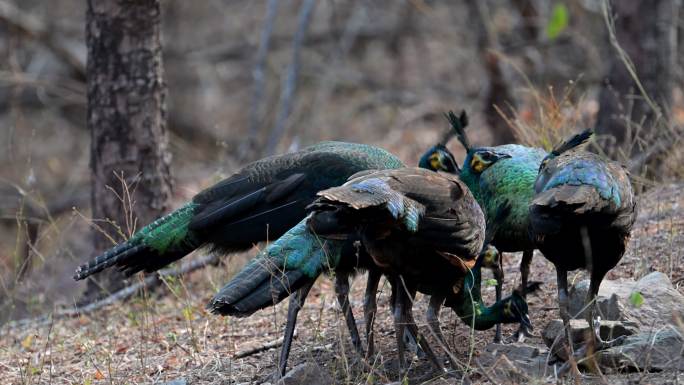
x=255, y=288
x=494, y=175
x=423, y=229
x=263, y=200
x=581, y=218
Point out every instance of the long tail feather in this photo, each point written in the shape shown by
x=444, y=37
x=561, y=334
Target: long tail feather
x=110, y=258
x=156, y=245
x=280, y=269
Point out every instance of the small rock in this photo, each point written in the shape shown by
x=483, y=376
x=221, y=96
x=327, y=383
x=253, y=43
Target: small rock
x=608, y=305
x=514, y=351
x=527, y=359
x=579, y=329
x=660, y=300
x=177, y=381
x=307, y=373
x=647, y=351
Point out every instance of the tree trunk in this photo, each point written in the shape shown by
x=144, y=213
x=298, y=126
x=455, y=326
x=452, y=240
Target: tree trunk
x=498, y=94
x=644, y=31
x=127, y=120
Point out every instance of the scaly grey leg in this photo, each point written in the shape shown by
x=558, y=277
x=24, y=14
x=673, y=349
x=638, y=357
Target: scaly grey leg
x=296, y=302
x=370, y=308
x=342, y=291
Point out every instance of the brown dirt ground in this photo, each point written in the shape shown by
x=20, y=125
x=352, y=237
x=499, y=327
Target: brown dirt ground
x=168, y=334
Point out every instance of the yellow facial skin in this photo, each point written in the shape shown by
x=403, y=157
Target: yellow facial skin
x=478, y=164
x=507, y=309
x=491, y=258
x=435, y=162
x=543, y=164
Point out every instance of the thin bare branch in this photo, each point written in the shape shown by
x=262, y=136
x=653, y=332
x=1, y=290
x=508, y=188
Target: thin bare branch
x=36, y=29
x=290, y=83
x=261, y=348
x=149, y=281
x=258, y=76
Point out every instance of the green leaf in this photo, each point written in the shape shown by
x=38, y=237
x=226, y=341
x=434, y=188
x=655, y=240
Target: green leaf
x=187, y=313
x=558, y=21
x=491, y=282
x=636, y=299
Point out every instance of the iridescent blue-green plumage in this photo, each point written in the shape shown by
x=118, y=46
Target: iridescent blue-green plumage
x=431, y=255
x=586, y=172
x=581, y=218
x=507, y=180
x=472, y=310
x=261, y=201
x=296, y=258
x=580, y=189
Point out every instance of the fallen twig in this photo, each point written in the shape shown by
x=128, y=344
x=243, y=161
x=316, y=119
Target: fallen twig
x=261, y=348
x=484, y=372
x=151, y=280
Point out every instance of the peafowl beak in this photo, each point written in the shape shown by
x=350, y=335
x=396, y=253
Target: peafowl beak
x=525, y=322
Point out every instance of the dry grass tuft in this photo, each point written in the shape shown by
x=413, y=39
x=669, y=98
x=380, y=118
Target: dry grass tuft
x=548, y=118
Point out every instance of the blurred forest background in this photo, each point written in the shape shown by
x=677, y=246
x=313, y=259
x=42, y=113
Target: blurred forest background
x=247, y=79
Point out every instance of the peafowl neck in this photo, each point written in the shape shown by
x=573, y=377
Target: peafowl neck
x=472, y=310
x=471, y=178
x=479, y=316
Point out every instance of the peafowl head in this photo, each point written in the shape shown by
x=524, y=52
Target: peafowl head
x=490, y=257
x=477, y=159
x=481, y=159
x=439, y=158
x=515, y=310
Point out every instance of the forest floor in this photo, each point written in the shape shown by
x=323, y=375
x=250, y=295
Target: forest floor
x=167, y=335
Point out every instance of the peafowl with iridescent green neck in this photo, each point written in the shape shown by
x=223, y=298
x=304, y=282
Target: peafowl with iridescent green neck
x=581, y=218
x=423, y=230
x=495, y=175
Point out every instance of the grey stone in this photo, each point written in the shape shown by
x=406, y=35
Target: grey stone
x=177, y=381
x=307, y=373
x=608, y=304
x=520, y=360
x=661, y=301
x=579, y=329
x=647, y=351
